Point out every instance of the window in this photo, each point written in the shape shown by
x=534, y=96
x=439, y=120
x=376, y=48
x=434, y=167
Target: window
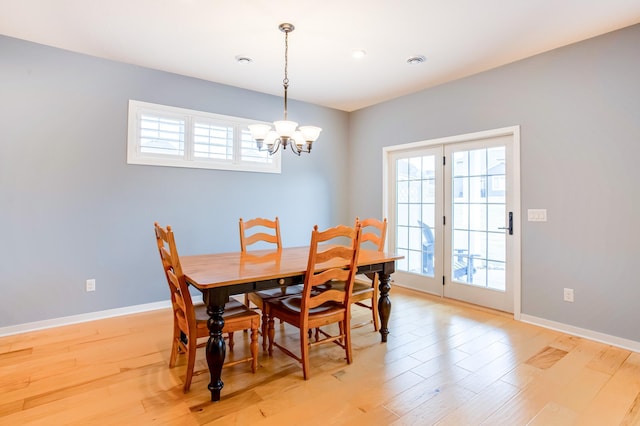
x=161, y=135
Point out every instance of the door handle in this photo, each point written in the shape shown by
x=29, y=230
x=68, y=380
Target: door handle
x=510, y=227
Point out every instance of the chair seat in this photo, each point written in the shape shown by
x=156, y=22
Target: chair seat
x=359, y=287
x=294, y=304
x=279, y=292
x=233, y=311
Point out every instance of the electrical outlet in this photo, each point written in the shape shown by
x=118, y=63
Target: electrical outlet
x=90, y=285
x=568, y=295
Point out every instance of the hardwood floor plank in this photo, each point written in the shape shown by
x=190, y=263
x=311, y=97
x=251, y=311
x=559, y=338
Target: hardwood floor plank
x=445, y=362
x=448, y=399
x=609, y=359
x=546, y=358
x=632, y=416
x=618, y=396
x=554, y=415
x=11, y=407
x=481, y=406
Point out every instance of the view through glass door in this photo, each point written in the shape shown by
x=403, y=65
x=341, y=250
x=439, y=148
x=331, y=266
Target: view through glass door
x=453, y=213
x=415, y=216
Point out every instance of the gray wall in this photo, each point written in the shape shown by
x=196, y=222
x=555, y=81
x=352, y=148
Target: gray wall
x=579, y=112
x=72, y=209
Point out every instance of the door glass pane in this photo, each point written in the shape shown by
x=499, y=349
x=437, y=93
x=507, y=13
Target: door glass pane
x=415, y=199
x=478, y=207
x=402, y=169
x=402, y=215
x=402, y=236
x=460, y=163
x=478, y=217
x=496, y=248
x=497, y=217
x=402, y=192
x=496, y=275
x=478, y=189
x=415, y=214
x=460, y=189
x=478, y=162
x=429, y=191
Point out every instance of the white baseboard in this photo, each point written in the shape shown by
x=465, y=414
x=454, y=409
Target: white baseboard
x=75, y=319
x=608, y=339
x=92, y=316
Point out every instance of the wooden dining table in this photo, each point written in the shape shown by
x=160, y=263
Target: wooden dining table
x=221, y=275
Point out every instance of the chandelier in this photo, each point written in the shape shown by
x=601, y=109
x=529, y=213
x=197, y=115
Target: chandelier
x=286, y=132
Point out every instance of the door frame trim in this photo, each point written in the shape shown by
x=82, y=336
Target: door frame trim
x=514, y=132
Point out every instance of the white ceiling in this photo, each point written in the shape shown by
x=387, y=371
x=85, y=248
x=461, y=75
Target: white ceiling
x=201, y=38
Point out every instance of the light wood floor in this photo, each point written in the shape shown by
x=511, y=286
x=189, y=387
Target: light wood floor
x=444, y=364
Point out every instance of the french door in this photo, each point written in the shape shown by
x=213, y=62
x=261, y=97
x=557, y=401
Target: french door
x=453, y=209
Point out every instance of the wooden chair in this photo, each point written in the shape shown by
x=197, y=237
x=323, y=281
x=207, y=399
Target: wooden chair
x=253, y=231
x=365, y=287
x=266, y=231
x=189, y=321
x=312, y=310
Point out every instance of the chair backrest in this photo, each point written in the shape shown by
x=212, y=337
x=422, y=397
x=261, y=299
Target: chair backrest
x=374, y=231
x=331, y=261
x=249, y=236
x=180, y=296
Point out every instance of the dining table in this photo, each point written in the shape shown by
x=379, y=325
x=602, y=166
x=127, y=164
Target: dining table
x=221, y=275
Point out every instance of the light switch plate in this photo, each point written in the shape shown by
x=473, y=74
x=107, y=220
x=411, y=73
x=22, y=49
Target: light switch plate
x=537, y=215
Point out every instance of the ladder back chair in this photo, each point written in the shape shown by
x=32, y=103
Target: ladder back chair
x=260, y=230
x=365, y=286
x=190, y=321
x=312, y=310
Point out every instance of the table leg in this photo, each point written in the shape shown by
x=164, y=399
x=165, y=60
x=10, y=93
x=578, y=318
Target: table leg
x=384, y=304
x=216, y=349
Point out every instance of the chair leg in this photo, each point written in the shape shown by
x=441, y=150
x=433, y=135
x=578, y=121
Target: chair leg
x=347, y=339
x=231, y=342
x=304, y=353
x=191, y=361
x=271, y=333
x=254, y=348
x=263, y=328
x=374, y=312
x=175, y=346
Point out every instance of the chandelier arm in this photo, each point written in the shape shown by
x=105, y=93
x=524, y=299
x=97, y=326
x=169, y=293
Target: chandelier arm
x=294, y=147
x=276, y=144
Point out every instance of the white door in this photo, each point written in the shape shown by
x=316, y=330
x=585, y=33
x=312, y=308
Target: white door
x=415, y=215
x=453, y=208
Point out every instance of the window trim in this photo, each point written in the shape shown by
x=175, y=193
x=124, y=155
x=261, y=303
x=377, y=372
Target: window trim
x=135, y=156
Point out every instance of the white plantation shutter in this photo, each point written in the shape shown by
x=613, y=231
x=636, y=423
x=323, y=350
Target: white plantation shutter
x=161, y=135
x=167, y=136
x=213, y=141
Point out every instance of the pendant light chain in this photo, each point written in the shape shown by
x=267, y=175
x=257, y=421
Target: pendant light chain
x=285, y=82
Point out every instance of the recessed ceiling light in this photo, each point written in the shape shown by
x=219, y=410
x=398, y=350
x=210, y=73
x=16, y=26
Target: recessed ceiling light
x=414, y=60
x=243, y=59
x=359, y=54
